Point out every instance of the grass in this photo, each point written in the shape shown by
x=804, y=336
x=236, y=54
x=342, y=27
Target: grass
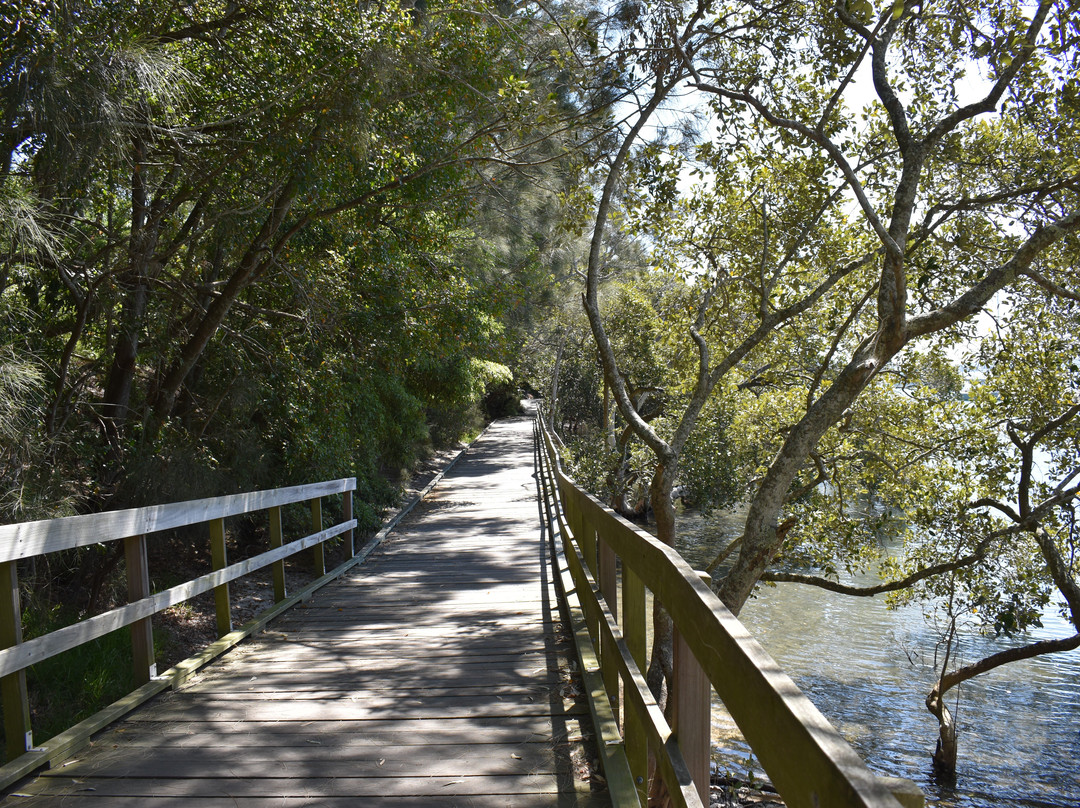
x=74, y=685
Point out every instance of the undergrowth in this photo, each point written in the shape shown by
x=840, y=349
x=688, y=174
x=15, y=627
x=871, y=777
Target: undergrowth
x=74, y=685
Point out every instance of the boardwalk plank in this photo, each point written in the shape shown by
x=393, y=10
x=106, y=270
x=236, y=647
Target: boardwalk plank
x=479, y=679
x=345, y=709
x=312, y=787
x=439, y=732
x=295, y=762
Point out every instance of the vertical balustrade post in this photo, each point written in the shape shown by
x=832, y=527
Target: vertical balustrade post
x=16, y=702
x=570, y=516
x=277, y=569
x=692, y=696
x=609, y=588
x=142, y=632
x=219, y=561
x=634, y=618
x=586, y=536
x=346, y=515
x=319, y=559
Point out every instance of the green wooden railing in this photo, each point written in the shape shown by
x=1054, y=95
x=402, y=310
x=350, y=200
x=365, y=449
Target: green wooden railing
x=30, y=539
x=607, y=565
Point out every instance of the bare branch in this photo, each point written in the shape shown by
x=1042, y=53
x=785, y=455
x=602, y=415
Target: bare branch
x=951, y=680
x=1050, y=286
x=996, y=279
x=892, y=586
x=990, y=101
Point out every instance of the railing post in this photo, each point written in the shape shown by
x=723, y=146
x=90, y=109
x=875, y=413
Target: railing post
x=142, y=632
x=346, y=515
x=16, y=702
x=586, y=538
x=692, y=713
x=634, y=618
x=609, y=588
x=219, y=561
x=277, y=569
x=319, y=559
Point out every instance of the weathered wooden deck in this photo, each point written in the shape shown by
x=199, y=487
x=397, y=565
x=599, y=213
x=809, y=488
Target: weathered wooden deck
x=432, y=675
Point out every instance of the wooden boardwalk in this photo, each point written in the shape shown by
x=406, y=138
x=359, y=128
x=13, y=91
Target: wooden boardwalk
x=432, y=675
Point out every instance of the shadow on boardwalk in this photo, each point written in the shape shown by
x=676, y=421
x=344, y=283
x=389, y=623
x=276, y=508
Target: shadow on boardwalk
x=435, y=674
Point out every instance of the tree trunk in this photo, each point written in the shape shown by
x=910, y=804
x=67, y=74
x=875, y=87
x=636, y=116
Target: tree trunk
x=760, y=540
x=659, y=674
x=135, y=284
x=553, y=406
x=661, y=666
x=258, y=257
x=622, y=481
x=946, y=751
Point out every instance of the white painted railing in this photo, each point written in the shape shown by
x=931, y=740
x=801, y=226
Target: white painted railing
x=30, y=539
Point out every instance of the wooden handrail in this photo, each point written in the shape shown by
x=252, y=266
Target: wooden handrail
x=131, y=526
x=807, y=759
x=50, y=535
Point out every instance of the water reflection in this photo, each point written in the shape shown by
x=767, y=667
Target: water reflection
x=868, y=669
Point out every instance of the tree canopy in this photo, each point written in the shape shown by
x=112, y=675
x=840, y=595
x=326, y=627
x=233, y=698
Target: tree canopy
x=239, y=241
x=871, y=212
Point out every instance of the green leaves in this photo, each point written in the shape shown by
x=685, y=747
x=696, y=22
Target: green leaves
x=225, y=226
x=861, y=10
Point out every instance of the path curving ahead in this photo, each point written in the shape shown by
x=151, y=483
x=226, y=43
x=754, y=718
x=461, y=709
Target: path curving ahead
x=432, y=675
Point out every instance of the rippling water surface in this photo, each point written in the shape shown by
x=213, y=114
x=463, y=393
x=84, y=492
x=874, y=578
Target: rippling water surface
x=868, y=669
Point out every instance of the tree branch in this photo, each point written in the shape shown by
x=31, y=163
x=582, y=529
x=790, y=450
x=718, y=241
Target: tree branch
x=960, y=675
x=996, y=279
x=892, y=586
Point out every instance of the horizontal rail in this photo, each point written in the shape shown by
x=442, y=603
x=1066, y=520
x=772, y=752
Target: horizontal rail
x=32, y=651
x=29, y=539
x=808, y=761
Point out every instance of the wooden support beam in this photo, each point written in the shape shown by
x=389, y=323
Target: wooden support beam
x=586, y=542
x=634, y=622
x=319, y=559
x=142, y=632
x=346, y=516
x=277, y=569
x=691, y=720
x=609, y=589
x=219, y=560
x=13, y=695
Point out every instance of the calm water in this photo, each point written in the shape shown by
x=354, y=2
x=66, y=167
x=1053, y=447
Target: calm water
x=868, y=669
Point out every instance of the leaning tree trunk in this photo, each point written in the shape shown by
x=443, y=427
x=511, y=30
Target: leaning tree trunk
x=761, y=540
x=946, y=751
x=658, y=677
x=661, y=665
x=554, y=410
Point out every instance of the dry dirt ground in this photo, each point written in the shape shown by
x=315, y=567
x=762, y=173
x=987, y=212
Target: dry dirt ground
x=189, y=627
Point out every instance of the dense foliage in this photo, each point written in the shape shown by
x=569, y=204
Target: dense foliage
x=239, y=247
